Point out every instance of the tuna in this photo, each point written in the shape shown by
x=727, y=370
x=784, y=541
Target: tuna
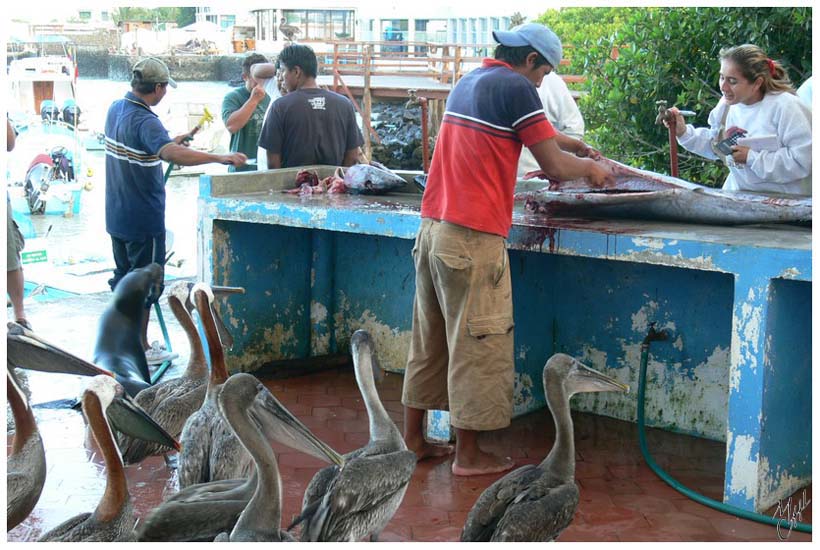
x=371, y=179
x=642, y=194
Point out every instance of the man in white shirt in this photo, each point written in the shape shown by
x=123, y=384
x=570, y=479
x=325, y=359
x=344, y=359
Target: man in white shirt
x=271, y=80
x=561, y=111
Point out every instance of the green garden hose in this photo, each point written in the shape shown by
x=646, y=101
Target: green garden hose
x=780, y=523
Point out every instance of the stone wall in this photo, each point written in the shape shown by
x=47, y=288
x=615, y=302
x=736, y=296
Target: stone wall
x=101, y=64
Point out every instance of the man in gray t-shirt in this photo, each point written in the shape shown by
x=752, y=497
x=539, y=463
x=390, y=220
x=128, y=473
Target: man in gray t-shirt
x=308, y=125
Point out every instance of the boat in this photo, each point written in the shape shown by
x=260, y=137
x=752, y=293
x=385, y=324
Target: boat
x=42, y=68
x=43, y=108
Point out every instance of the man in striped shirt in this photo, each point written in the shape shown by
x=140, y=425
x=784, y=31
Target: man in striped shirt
x=461, y=352
x=136, y=143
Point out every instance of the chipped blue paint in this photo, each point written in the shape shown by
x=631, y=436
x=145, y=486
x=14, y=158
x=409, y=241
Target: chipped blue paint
x=737, y=366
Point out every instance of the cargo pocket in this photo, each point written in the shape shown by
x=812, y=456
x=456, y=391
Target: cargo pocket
x=481, y=327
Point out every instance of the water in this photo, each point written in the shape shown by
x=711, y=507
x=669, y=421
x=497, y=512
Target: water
x=81, y=239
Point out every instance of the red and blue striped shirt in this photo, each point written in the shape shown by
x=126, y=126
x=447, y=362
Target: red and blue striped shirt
x=490, y=113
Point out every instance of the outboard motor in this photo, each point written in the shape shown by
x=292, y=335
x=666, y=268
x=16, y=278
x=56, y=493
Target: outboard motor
x=37, y=184
x=49, y=112
x=71, y=113
x=63, y=161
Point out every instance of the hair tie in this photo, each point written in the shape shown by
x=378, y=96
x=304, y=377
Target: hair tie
x=771, y=66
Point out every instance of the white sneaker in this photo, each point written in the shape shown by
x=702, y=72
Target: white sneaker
x=157, y=354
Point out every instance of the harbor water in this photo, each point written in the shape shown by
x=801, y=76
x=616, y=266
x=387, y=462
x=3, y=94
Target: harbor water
x=79, y=243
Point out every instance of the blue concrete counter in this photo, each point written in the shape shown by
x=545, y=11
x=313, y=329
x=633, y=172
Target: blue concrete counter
x=735, y=301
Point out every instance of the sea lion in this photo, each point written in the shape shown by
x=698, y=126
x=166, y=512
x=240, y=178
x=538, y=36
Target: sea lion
x=119, y=334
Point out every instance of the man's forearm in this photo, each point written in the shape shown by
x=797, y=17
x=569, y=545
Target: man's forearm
x=241, y=116
x=185, y=156
x=274, y=160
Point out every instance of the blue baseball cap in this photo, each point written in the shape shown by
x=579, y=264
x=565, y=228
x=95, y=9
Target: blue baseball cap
x=540, y=37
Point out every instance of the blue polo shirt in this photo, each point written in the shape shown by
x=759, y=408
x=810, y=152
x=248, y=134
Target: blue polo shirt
x=134, y=183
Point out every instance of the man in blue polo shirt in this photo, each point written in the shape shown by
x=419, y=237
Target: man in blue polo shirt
x=136, y=143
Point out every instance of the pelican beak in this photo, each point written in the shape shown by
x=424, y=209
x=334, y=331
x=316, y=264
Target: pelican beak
x=224, y=334
x=128, y=417
x=26, y=350
x=585, y=379
x=279, y=424
x=227, y=290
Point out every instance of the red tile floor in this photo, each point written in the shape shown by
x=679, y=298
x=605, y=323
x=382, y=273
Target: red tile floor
x=621, y=498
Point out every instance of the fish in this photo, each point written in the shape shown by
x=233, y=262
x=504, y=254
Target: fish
x=364, y=179
x=643, y=194
x=371, y=179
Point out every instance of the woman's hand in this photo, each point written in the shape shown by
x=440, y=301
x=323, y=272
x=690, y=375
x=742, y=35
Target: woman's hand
x=740, y=153
x=680, y=124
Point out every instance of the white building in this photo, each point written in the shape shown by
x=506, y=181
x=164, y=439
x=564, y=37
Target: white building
x=419, y=21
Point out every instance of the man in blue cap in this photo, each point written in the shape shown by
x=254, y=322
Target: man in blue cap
x=136, y=143
x=461, y=350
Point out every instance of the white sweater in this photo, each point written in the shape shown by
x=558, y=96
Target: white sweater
x=561, y=111
x=785, y=170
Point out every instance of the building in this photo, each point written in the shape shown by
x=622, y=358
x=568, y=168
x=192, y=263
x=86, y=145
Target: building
x=421, y=21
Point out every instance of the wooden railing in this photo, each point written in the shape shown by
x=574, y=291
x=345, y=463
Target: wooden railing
x=445, y=63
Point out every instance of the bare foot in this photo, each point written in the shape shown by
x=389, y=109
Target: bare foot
x=484, y=464
x=425, y=449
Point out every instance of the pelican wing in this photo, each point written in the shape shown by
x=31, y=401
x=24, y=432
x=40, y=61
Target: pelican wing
x=320, y=483
x=538, y=515
x=199, y=512
x=492, y=504
x=356, y=498
x=65, y=528
x=198, y=521
x=25, y=477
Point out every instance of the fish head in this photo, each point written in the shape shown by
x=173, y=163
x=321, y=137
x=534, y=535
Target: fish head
x=370, y=178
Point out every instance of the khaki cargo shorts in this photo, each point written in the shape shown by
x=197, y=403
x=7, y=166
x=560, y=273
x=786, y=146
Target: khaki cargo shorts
x=14, y=242
x=461, y=351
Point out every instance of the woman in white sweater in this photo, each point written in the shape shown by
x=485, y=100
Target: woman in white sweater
x=758, y=99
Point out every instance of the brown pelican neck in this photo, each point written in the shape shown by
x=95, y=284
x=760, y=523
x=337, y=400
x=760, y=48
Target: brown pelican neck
x=561, y=458
x=24, y=424
x=197, y=364
x=264, y=511
x=382, y=426
x=116, y=487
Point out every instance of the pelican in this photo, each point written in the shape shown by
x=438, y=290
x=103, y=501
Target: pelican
x=170, y=403
x=210, y=450
x=358, y=500
x=535, y=503
x=26, y=465
x=256, y=417
x=288, y=30
x=113, y=519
